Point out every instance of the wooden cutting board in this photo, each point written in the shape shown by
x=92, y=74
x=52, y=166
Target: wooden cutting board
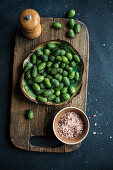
x=22, y=129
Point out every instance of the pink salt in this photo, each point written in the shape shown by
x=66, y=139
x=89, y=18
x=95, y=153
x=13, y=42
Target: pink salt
x=70, y=125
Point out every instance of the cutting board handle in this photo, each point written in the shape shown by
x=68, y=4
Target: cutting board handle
x=42, y=143
x=44, y=149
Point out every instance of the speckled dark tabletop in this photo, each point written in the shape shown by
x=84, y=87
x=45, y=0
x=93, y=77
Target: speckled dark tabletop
x=96, y=151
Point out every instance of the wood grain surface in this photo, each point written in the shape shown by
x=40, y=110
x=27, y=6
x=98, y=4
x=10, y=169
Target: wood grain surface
x=22, y=129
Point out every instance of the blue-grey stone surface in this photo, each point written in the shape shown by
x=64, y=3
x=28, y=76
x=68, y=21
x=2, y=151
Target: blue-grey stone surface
x=96, y=152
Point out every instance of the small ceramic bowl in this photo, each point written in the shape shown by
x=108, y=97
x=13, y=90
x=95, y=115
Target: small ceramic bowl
x=74, y=140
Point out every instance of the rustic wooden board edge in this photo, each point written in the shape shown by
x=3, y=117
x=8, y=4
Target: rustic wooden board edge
x=34, y=148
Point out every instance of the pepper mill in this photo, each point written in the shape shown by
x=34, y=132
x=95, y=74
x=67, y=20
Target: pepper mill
x=30, y=23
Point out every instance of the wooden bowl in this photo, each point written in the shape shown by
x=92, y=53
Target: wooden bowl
x=30, y=95
x=73, y=140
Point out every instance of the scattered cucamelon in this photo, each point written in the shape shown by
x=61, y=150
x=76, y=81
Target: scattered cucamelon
x=57, y=25
x=77, y=28
x=53, y=73
x=30, y=114
x=71, y=23
x=73, y=28
x=71, y=33
x=71, y=14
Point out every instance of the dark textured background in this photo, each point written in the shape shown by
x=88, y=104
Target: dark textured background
x=97, y=150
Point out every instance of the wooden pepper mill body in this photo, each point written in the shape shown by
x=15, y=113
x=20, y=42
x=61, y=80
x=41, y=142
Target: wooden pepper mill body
x=30, y=23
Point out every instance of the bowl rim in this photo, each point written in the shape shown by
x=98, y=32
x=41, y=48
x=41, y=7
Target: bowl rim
x=82, y=138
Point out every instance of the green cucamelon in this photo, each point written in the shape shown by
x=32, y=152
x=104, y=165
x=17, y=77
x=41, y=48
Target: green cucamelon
x=76, y=58
x=52, y=97
x=72, y=89
x=27, y=67
x=33, y=59
x=55, y=82
x=57, y=25
x=38, y=79
x=71, y=13
x=42, y=66
x=65, y=97
x=48, y=93
x=30, y=114
x=66, y=81
x=34, y=71
x=36, y=87
x=47, y=83
x=71, y=75
x=42, y=99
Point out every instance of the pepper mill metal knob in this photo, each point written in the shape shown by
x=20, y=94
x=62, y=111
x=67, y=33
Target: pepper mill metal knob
x=30, y=23
x=28, y=17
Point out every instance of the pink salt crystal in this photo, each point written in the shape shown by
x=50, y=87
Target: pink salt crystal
x=70, y=125
x=94, y=115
